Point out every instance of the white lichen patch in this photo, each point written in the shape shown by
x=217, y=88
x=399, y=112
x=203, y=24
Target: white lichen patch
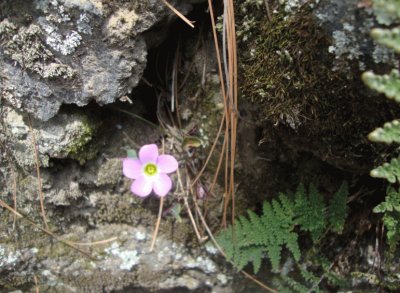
x=222, y=279
x=63, y=42
x=8, y=258
x=140, y=236
x=292, y=6
x=92, y=6
x=24, y=46
x=128, y=258
x=120, y=24
x=203, y=263
x=345, y=44
x=83, y=24
x=210, y=248
x=382, y=54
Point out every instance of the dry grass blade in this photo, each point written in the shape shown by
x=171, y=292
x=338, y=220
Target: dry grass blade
x=14, y=174
x=95, y=242
x=41, y=198
x=196, y=230
x=51, y=234
x=153, y=240
x=232, y=73
x=211, y=151
x=36, y=284
x=178, y=13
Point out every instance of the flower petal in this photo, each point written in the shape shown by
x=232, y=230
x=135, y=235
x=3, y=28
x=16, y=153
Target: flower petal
x=142, y=186
x=162, y=185
x=148, y=153
x=132, y=168
x=167, y=164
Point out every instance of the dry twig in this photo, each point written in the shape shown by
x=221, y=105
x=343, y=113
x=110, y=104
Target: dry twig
x=41, y=197
x=178, y=13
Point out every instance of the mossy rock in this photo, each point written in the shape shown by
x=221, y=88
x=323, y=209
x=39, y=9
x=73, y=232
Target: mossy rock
x=288, y=74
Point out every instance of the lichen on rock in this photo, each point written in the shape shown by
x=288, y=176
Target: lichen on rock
x=66, y=135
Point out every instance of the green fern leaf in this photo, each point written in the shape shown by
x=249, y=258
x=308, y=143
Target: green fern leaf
x=254, y=255
x=389, y=171
x=391, y=203
x=295, y=285
x=388, y=84
x=387, y=37
x=392, y=225
x=386, y=11
x=310, y=210
x=338, y=209
x=388, y=134
x=391, y=219
x=254, y=237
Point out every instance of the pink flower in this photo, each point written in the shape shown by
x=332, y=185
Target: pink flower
x=150, y=171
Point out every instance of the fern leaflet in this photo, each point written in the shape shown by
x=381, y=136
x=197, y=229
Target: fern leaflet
x=338, y=209
x=388, y=37
x=389, y=171
x=388, y=134
x=388, y=84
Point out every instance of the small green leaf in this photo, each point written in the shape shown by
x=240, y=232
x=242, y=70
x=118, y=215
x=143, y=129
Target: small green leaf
x=191, y=141
x=386, y=11
x=389, y=171
x=176, y=212
x=387, y=37
x=338, y=209
x=131, y=154
x=388, y=134
x=388, y=84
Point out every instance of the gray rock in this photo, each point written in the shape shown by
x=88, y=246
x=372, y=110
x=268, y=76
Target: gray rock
x=65, y=135
x=74, y=52
x=349, y=23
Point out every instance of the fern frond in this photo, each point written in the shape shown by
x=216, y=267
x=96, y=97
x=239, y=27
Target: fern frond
x=391, y=203
x=338, y=209
x=388, y=84
x=387, y=37
x=389, y=171
x=294, y=285
x=256, y=236
x=391, y=219
x=388, y=134
x=392, y=225
x=387, y=11
x=308, y=276
x=311, y=212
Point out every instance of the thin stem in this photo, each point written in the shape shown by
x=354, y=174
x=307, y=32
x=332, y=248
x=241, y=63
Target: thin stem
x=36, y=151
x=178, y=13
x=153, y=241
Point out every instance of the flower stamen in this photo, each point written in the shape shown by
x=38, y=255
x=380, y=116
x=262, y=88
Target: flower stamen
x=150, y=169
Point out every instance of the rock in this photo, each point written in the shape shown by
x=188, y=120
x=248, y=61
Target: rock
x=349, y=23
x=66, y=135
x=67, y=51
x=308, y=95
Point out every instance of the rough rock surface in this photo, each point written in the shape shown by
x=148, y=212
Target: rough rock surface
x=64, y=52
x=121, y=259
x=64, y=135
x=349, y=24
x=61, y=52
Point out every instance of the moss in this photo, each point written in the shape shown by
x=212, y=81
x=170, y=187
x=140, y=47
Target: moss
x=83, y=148
x=285, y=70
x=287, y=74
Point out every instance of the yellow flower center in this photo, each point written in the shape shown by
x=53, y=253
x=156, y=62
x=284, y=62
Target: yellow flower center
x=150, y=169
